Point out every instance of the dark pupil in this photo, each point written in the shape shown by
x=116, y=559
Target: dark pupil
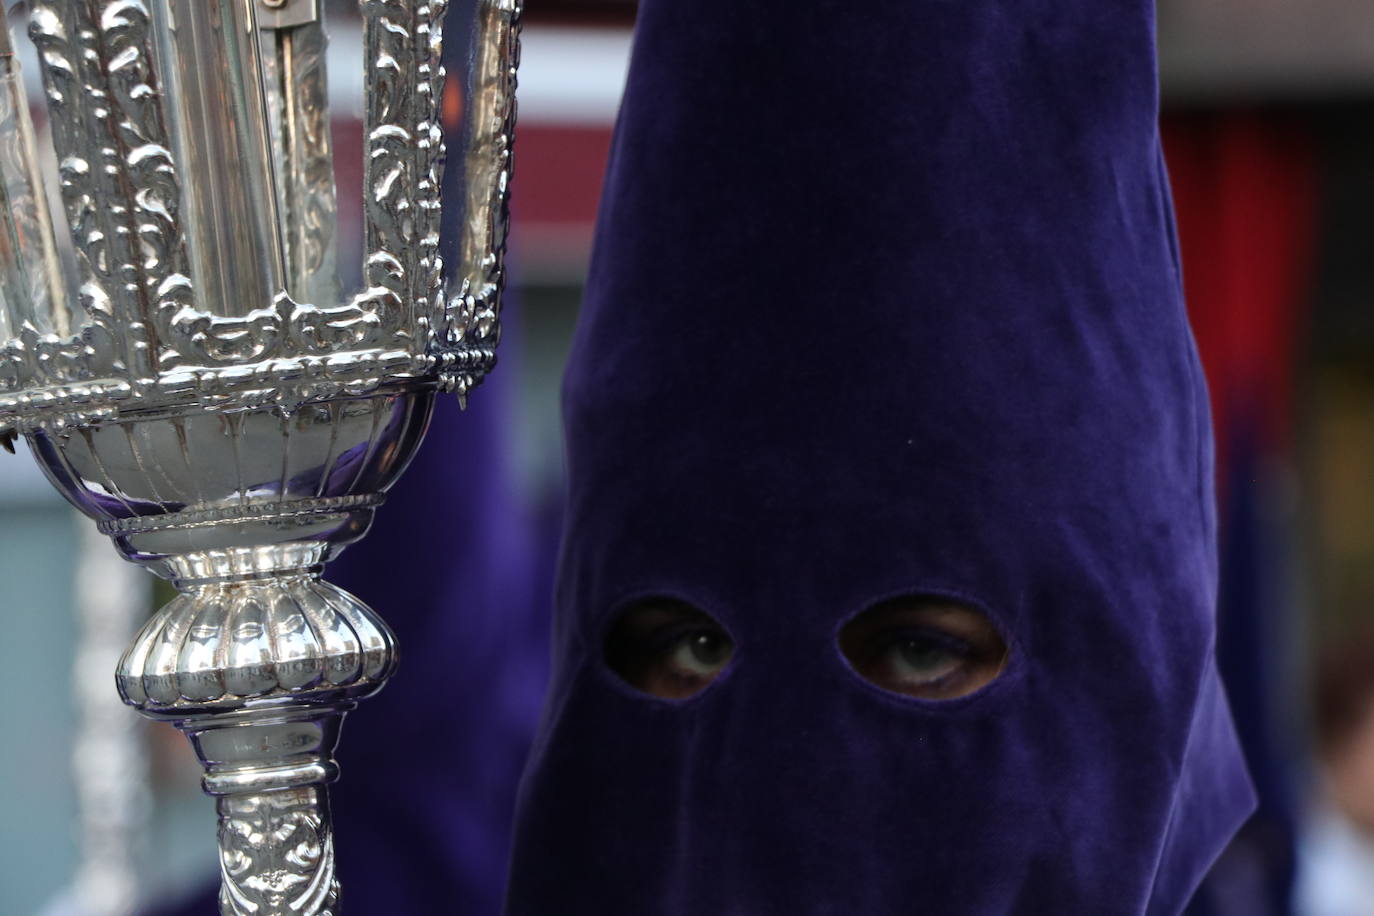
x=923, y=653
x=709, y=648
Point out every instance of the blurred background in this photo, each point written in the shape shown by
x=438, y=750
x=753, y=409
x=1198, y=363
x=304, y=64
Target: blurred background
x=1269, y=130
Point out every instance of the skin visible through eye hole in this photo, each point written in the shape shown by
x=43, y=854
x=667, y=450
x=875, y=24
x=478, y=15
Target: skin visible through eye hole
x=930, y=648
x=667, y=648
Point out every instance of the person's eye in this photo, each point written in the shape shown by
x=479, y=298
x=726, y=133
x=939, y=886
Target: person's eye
x=921, y=659
x=700, y=653
x=667, y=648
x=930, y=648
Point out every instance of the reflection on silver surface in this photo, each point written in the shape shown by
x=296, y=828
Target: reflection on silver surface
x=220, y=409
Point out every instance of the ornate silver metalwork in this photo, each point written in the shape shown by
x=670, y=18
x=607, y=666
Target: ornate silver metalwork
x=124, y=201
x=200, y=386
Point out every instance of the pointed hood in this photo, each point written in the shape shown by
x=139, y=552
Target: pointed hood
x=885, y=302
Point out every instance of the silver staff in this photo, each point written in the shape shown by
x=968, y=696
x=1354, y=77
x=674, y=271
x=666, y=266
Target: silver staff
x=193, y=379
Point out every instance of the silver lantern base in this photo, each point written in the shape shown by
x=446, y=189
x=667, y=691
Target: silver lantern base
x=257, y=659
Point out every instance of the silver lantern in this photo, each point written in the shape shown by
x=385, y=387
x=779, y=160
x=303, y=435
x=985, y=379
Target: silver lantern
x=189, y=373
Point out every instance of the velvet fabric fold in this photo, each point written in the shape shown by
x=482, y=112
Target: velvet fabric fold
x=886, y=301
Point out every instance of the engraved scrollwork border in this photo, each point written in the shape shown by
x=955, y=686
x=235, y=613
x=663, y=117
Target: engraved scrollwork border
x=75, y=63
x=401, y=199
x=119, y=184
x=286, y=383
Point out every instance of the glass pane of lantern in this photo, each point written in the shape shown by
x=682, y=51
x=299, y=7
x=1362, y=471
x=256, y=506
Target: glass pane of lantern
x=212, y=94
x=269, y=128
x=31, y=288
x=476, y=112
x=299, y=113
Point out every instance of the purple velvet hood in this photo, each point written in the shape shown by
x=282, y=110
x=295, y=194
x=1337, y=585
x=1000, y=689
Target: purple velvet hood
x=886, y=301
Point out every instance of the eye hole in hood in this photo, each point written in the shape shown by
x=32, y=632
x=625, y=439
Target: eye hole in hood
x=667, y=648
x=930, y=648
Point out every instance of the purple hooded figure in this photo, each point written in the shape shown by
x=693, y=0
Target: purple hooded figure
x=889, y=572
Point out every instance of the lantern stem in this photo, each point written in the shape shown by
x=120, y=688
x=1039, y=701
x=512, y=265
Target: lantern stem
x=276, y=839
x=257, y=661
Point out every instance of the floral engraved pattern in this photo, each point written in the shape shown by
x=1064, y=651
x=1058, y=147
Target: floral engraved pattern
x=276, y=855
x=404, y=152
x=119, y=184
x=71, y=50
